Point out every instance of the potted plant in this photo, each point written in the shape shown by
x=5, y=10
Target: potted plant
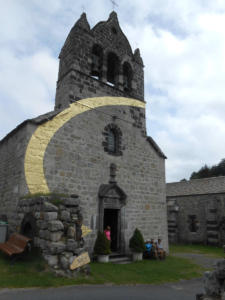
x=102, y=247
x=137, y=245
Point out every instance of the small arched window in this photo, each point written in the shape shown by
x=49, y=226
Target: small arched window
x=127, y=76
x=112, y=142
x=112, y=68
x=97, y=58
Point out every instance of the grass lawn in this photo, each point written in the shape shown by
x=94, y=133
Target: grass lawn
x=147, y=271
x=208, y=250
x=33, y=272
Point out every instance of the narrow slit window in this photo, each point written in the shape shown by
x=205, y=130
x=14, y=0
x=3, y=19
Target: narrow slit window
x=111, y=141
x=193, y=223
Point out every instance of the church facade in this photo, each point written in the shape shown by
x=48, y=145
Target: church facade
x=93, y=146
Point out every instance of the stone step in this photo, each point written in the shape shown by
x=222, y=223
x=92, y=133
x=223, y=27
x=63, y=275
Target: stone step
x=119, y=259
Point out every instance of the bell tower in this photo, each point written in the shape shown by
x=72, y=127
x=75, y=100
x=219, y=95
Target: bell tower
x=98, y=62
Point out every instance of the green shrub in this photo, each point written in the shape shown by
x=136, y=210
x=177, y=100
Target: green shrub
x=102, y=245
x=137, y=243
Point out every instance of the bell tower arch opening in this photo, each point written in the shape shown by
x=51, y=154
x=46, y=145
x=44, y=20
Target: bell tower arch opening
x=112, y=68
x=127, y=77
x=91, y=64
x=97, y=61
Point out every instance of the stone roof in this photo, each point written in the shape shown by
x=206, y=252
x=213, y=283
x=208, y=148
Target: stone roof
x=117, y=41
x=156, y=147
x=100, y=34
x=210, y=185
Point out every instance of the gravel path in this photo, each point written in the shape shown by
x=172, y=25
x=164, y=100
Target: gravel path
x=203, y=260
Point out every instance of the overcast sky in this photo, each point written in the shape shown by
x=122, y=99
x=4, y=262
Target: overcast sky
x=182, y=43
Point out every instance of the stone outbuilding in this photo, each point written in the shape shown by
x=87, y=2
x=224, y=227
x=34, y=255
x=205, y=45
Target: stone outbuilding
x=196, y=211
x=92, y=148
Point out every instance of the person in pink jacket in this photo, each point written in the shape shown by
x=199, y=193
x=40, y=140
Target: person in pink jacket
x=107, y=232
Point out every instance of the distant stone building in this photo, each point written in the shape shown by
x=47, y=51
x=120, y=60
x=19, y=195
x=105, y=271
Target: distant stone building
x=93, y=146
x=196, y=211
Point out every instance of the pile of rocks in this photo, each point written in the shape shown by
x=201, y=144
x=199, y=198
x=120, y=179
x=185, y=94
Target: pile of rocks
x=214, y=283
x=55, y=229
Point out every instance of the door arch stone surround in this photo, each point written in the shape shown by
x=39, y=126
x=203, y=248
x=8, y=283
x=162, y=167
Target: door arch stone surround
x=111, y=196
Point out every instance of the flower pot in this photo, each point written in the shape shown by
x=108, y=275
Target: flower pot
x=103, y=258
x=137, y=256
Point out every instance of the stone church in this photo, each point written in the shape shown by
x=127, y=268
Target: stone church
x=92, y=149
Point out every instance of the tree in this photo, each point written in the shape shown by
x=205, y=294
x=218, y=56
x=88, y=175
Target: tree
x=137, y=243
x=102, y=245
x=214, y=171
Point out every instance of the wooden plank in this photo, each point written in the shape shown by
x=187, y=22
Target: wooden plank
x=16, y=244
x=80, y=260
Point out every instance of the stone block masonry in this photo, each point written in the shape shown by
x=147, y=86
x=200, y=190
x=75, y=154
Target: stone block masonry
x=196, y=211
x=12, y=177
x=76, y=162
x=58, y=239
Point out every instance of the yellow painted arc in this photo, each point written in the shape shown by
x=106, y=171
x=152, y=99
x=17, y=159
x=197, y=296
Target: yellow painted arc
x=34, y=157
x=85, y=230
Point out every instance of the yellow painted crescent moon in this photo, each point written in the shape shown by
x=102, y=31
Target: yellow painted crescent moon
x=34, y=157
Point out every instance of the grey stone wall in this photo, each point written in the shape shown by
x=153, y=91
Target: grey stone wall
x=12, y=180
x=55, y=229
x=75, y=162
x=207, y=208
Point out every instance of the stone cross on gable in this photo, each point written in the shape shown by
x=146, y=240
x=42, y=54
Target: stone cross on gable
x=114, y=4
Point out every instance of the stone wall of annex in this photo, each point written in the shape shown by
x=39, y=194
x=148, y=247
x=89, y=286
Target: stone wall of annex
x=199, y=203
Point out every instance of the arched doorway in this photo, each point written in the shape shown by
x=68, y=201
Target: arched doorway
x=112, y=201
x=28, y=226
